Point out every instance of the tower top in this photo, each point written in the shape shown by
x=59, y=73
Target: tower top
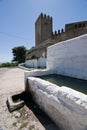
x=44, y=16
x=43, y=28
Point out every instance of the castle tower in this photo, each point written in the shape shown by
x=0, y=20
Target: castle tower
x=43, y=29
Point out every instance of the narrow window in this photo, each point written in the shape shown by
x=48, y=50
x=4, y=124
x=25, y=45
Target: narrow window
x=83, y=24
x=79, y=25
x=75, y=25
x=46, y=23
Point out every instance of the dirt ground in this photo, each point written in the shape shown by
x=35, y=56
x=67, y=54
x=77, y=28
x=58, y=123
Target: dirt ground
x=28, y=117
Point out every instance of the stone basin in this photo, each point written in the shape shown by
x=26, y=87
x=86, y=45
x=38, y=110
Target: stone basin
x=65, y=106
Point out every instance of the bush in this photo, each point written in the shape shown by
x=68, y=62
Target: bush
x=8, y=64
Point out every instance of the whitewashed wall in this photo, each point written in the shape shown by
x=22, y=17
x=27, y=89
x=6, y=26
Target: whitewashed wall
x=69, y=57
x=35, y=63
x=66, y=107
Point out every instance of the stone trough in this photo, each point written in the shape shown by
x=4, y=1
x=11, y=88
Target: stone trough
x=65, y=106
x=15, y=102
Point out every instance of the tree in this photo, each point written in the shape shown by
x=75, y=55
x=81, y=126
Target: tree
x=19, y=54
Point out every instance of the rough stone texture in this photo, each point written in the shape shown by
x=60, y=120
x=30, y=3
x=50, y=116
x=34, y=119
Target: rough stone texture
x=67, y=107
x=12, y=105
x=43, y=28
x=39, y=50
x=44, y=35
x=69, y=57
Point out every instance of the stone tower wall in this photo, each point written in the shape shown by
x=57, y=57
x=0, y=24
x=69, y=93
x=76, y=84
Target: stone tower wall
x=71, y=31
x=44, y=35
x=43, y=29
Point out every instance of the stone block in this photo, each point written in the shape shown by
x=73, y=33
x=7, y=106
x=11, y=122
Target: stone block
x=14, y=102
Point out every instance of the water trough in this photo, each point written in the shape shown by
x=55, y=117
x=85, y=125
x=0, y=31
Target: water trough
x=66, y=107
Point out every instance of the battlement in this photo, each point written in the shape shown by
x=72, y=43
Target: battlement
x=44, y=16
x=59, y=32
x=71, y=30
x=43, y=28
x=76, y=25
x=44, y=35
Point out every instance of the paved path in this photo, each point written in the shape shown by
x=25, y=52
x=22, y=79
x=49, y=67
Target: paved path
x=12, y=82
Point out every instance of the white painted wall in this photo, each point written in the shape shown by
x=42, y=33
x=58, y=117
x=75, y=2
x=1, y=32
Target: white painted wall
x=35, y=63
x=66, y=107
x=69, y=57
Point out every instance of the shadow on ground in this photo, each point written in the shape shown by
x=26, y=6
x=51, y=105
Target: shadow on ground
x=43, y=118
x=40, y=114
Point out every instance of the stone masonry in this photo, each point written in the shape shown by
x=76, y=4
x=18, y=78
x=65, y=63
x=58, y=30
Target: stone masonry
x=44, y=35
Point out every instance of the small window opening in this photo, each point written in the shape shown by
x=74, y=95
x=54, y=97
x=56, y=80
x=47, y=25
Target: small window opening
x=75, y=25
x=79, y=25
x=45, y=23
x=83, y=24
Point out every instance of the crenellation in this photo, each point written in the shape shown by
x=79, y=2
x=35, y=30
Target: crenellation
x=58, y=31
x=44, y=33
x=49, y=18
x=76, y=25
x=43, y=28
x=45, y=16
x=62, y=30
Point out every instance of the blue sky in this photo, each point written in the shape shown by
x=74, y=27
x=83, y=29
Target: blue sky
x=17, y=20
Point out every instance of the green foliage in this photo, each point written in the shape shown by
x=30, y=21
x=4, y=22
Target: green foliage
x=31, y=127
x=8, y=64
x=33, y=57
x=19, y=54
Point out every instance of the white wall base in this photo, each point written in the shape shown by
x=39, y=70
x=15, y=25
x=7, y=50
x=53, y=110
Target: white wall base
x=36, y=63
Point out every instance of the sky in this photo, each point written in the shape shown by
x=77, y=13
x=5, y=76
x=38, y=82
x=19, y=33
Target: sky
x=17, y=20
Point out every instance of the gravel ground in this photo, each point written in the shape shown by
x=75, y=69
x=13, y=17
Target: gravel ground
x=28, y=117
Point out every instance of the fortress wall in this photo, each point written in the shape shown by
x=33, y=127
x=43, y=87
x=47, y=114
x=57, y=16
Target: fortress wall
x=44, y=35
x=68, y=34
x=37, y=53
x=69, y=57
x=57, y=37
